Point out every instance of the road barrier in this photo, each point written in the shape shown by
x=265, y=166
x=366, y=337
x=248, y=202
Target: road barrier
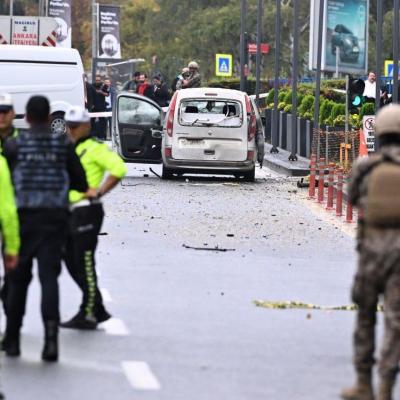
x=349, y=212
x=313, y=171
x=339, y=193
x=331, y=179
x=321, y=180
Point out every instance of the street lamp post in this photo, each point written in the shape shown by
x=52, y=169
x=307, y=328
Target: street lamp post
x=295, y=57
x=379, y=22
x=319, y=60
x=275, y=114
x=94, y=37
x=243, y=10
x=11, y=8
x=259, y=55
x=396, y=52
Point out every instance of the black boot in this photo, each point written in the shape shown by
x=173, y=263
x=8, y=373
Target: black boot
x=80, y=321
x=11, y=340
x=50, y=349
x=102, y=315
x=10, y=345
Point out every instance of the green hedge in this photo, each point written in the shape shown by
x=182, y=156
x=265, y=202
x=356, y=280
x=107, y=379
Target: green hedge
x=234, y=83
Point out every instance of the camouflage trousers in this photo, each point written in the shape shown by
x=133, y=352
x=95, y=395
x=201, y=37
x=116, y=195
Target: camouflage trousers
x=378, y=275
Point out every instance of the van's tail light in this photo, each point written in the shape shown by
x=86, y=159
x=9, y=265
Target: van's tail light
x=252, y=120
x=171, y=115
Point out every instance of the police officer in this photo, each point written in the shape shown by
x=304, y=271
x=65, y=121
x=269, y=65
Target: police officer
x=9, y=223
x=7, y=116
x=8, y=218
x=7, y=130
x=44, y=167
x=87, y=217
x=375, y=190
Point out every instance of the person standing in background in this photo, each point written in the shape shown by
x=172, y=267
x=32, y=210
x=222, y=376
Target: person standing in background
x=99, y=124
x=131, y=86
x=160, y=91
x=110, y=102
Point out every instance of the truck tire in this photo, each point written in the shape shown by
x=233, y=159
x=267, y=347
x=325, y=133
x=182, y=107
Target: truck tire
x=57, y=123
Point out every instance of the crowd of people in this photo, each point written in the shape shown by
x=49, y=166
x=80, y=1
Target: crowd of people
x=51, y=190
x=158, y=90
x=101, y=93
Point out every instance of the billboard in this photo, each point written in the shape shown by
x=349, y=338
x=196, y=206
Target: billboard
x=28, y=31
x=109, y=43
x=60, y=10
x=345, y=36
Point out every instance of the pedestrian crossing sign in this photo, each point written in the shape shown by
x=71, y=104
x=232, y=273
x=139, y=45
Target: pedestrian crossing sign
x=389, y=68
x=223, y=64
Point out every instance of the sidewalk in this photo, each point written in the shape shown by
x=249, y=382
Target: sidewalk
x=280, y=162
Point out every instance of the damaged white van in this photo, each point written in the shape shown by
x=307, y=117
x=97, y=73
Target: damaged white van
x=209, y=130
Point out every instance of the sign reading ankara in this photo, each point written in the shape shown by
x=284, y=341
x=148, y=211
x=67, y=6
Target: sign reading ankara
x=223, y=64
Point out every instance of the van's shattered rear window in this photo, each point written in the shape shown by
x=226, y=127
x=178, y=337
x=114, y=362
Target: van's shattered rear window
x=223, y=113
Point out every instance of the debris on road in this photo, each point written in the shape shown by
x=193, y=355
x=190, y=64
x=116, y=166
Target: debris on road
x=154, y=173
x=285, y=305
x=207, y=248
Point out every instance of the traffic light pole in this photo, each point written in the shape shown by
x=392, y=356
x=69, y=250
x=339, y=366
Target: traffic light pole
x=319, y=60
x=293, y=156
x=396, y=52
x=243, y=10
x=94, y=38
x=379, y=23
x=259, y=40
x=275, y=114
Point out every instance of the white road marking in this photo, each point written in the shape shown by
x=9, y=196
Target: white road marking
x=140, y=375
x=115, y=327
x=33, y=358
x=106, y=295
x=330, y=217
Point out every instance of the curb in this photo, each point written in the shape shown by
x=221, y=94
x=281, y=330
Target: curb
x=280, y=162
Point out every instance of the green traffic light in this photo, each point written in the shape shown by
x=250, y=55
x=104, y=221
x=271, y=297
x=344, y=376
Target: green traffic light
x=356, y=101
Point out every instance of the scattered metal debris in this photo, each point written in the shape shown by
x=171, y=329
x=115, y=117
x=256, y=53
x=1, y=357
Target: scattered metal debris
x=208, y=248
x=154, y=173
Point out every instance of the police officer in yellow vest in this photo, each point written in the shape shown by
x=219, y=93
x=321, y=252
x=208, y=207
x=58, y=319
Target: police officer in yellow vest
x=7, y=131
x=7, y=116
x=9, y=222
x=87, y=216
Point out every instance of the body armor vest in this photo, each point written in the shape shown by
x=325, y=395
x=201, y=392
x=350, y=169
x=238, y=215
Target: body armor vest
x=40, y=176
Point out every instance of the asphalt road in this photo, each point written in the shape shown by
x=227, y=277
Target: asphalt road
x=185, y=326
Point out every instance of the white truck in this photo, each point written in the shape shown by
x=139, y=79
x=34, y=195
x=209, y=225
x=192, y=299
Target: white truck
x=56, y=73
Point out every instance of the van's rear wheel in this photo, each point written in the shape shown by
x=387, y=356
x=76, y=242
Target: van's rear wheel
x=250, y=176
x=57, y=123
x=166, y=173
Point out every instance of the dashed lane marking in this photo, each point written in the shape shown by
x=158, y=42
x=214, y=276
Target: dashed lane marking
x=115, y=327
x=140, y=375
x=106, y=295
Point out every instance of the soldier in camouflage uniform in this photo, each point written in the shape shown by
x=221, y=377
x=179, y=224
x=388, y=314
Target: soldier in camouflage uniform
x=379, y=259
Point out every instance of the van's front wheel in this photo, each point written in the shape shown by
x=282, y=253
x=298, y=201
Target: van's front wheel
x=57, y=123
